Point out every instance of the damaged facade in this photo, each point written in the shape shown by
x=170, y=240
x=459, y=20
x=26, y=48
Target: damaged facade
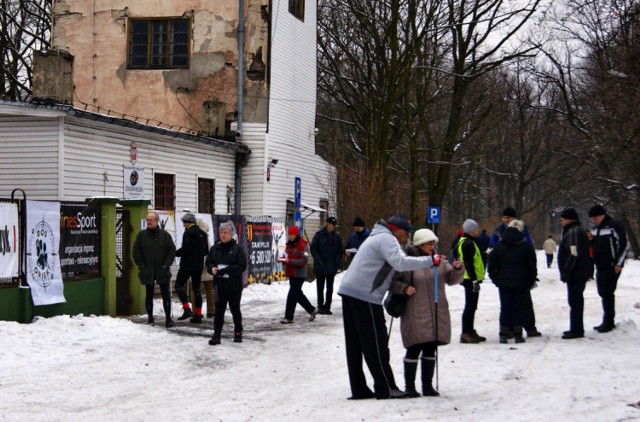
x=176, y=64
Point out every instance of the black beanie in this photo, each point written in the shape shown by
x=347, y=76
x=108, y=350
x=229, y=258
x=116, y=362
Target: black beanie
x=509, y=212
x=569, y=214
x=597, y=210
x=358, y=222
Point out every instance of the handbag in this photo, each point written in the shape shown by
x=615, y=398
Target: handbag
x=395, y=304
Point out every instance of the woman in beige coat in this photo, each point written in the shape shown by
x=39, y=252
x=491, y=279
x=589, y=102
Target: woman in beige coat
x=418, y=323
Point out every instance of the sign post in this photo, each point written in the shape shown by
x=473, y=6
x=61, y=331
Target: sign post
x=296, y=203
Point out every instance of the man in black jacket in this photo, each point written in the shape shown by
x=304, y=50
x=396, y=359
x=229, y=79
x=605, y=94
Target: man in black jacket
x=609, y=243
x=327, y=251
x=193, y=250
x=576, y=267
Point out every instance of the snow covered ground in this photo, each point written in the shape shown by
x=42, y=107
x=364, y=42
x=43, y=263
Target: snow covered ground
x=100, y=368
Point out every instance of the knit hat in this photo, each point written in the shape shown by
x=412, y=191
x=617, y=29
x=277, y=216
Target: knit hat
x=469, y=225
x=332, y=220
x=597, y=210
x=423, y=236
x=400, y=222
x=569, y=214
x=189, y=218
x=358, y=222
x=460, y=232
x=294, y=230
x=509, y=212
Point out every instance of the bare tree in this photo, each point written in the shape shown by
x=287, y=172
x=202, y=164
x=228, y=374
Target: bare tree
x=25, y=27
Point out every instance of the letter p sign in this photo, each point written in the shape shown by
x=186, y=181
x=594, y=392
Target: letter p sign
x=433, y=215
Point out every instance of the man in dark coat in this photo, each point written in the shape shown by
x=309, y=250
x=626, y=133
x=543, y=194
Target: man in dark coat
x=226, y=261
x=609, y=242
x=193, y=250
x=575, y=267
x=153, y=253
x=326, y=249
x=356, y=239
x=508, y=215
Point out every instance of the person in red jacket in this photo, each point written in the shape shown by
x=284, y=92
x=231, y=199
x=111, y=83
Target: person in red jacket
x=296, y=269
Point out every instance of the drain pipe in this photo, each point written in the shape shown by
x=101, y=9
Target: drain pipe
x=241, y=159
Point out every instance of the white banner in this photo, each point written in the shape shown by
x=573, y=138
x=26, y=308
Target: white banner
x=180, y=227
x=133, y=182
x=9, y=240
x=43, y=259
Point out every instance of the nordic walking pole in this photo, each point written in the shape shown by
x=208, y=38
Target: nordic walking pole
x=435, y=295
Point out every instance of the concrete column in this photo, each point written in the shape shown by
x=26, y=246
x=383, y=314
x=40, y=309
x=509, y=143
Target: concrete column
x=108, y=249
x=138, y=209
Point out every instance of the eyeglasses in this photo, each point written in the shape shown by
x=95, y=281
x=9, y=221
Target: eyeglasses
x=432, y=243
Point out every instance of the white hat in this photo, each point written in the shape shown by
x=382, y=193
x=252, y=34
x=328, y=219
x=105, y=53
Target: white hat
x=423, y=236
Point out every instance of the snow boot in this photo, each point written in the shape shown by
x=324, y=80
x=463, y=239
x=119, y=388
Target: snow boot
x=237, y=337
x=313, y=314
x=505, y=334
x=428, y=368
x=517, y=332
x=186, y=313
x=196, y=319
x=215, y=340
x=169, y=323
x=410, y=369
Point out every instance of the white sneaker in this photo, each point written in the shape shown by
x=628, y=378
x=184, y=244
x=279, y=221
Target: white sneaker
x=313, y=314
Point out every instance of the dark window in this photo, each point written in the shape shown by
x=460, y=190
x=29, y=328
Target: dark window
x=290, y=217
x=206, y=196
x=159, y=43
x=296, y=8
x=324, y=204
x=164, y=187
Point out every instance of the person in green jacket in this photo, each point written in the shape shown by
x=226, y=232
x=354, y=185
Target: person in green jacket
x=153, y=253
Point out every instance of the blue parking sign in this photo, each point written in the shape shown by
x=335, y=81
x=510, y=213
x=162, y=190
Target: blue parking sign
x=433, y=215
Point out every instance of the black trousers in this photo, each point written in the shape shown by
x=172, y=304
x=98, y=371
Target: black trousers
x=181, y=281
x=296, y=296
x=365, y=334
x=512, y=307
x=575, y=298
x=165, y=289
x=529, y=316
x=428, y=350
x=549, y=260
x=231, y=294
x=470, y=306
x=607, y=281
x=320, y=283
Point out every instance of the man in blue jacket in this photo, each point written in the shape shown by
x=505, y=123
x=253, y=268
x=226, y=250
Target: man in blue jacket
x=609, y=243
x=362, y=289
x=326, y=249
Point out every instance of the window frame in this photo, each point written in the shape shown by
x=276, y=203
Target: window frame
x=161, y=200
x=206, y=195
x=167, y=45
x=296, y=8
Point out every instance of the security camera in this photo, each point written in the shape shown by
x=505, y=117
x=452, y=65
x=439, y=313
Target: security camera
x=315, y=131
x=274, y=161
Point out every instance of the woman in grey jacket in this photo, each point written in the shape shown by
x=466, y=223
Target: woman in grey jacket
x=422, y=331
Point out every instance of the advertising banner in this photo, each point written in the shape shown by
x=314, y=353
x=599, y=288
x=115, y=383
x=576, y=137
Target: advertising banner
x=261, y=256
x=9, y=240
x=279, y=245
x=80, y=237
x=43, y=258
x=180, y=227
x=133, y=182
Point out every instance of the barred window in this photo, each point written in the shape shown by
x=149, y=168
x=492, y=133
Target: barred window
x=164, y=189
x=324, y=204
x=206, y=195
x=296, y=8
x=159, y=43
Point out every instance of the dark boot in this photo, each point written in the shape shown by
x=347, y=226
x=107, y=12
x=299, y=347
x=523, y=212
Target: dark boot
x=237, y=337
x=505, y=334
x=517, y=332
x=410, y=369
x=428, y=368
x=196, y=319
x=169, y=323
x=215, y=340
x=186, y=313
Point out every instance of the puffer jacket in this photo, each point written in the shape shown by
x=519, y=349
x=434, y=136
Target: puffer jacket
x=609, y=243
x=327, y=251
x=298, y=255
x=153, y=253
x=512, y=263
x=418, y=323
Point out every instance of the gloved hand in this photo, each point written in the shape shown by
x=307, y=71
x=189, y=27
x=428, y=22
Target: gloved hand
x=476, y=286
x=435, y=258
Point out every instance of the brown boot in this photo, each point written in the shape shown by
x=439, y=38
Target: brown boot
x=469, y=338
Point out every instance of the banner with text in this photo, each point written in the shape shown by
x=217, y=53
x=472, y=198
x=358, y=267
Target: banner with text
x=43, y=259
x=9, y=240
x=133, y=182
x=80, y=237
x=260, y=249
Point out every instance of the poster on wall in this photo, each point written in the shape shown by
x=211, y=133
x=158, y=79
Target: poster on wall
x=80, y=237
x=204, y=220
x=278, y=247
x=9, y=240
x=260, y=239
x=166, y=221
x=241, y=236
x=43, y=259
x=133, y=182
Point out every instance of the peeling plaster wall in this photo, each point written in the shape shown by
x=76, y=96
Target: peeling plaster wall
x=97, y=39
